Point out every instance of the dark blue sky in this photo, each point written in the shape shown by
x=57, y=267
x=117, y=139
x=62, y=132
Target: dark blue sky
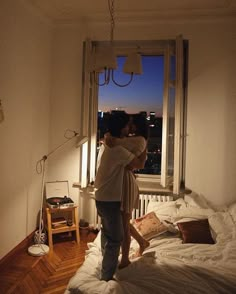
x=145, y=92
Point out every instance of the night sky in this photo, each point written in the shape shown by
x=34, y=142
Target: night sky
x=143, y=94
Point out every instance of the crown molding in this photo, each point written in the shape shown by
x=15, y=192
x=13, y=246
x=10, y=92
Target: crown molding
x=153, y=16
x=81, y=13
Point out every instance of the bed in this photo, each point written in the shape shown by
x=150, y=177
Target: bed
x=174, y=263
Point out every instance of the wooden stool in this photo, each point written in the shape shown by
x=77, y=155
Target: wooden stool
x=64, y=228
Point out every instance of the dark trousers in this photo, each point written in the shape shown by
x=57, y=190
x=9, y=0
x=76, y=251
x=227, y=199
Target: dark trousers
x=111, y=236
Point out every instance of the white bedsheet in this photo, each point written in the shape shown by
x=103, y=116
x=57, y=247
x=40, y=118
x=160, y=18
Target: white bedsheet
x=167, y=267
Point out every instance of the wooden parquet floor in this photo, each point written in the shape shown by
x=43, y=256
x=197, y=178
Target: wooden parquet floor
x=48, y=274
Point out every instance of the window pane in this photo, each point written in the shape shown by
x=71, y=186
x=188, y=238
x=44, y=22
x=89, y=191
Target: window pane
x=172, y=68
x=144, y=94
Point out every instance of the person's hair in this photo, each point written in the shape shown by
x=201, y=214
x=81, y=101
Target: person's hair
x=116, y=122
x=140, y=123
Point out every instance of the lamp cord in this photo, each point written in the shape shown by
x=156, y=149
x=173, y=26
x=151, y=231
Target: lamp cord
x=110, y=72
x=111, y=10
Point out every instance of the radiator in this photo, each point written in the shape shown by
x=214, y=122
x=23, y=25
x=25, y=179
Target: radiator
x=144, y=199
x=143, y=203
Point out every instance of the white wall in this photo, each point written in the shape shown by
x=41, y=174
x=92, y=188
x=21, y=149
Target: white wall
x=211, y=141
x=66, y=110
x=25, y=62
x=66, y=105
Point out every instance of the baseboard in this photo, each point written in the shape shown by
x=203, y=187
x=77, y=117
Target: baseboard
x=23, y=245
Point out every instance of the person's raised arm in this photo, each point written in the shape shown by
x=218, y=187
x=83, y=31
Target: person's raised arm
x=138, y=162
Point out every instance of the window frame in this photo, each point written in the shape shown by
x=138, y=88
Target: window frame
x=89, y=105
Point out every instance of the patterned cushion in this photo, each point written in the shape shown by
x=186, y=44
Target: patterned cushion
x=149, y=226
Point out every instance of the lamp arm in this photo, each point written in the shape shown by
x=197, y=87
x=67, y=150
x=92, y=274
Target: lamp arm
x=41, y=161
x=59, y=146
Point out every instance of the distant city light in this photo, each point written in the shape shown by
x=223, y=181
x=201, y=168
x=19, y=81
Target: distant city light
x=101, y=113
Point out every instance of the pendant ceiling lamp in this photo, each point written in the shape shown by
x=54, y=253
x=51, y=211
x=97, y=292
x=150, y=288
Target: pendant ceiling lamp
x=104, y=58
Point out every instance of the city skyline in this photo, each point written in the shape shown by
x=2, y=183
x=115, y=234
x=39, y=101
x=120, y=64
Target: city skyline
x=145, y=93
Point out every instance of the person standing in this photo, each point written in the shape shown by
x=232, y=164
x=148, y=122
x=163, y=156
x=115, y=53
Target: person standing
x=108, y=184
x=137, y=144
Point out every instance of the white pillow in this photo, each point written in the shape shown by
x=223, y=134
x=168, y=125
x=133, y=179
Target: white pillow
x=164, y=210
x=186, y=214
x=194, y=212
x=232, y=211
x=181, y=203
x=196, y=200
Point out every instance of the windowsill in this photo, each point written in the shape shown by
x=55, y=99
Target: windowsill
x=146, y=185
x=153, y=188
x=151, y=185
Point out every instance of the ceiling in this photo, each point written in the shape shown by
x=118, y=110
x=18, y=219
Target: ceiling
x=71, y=11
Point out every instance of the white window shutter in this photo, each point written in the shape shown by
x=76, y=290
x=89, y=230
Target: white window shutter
x=85, y=114
x=164, y=158
x=93, y=129
x=178, y=115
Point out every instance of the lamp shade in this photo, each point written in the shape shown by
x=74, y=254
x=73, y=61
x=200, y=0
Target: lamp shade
x=104, y=58
x=133, y=64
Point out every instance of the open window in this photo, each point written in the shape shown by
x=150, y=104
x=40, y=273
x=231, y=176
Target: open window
x=165, y=148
